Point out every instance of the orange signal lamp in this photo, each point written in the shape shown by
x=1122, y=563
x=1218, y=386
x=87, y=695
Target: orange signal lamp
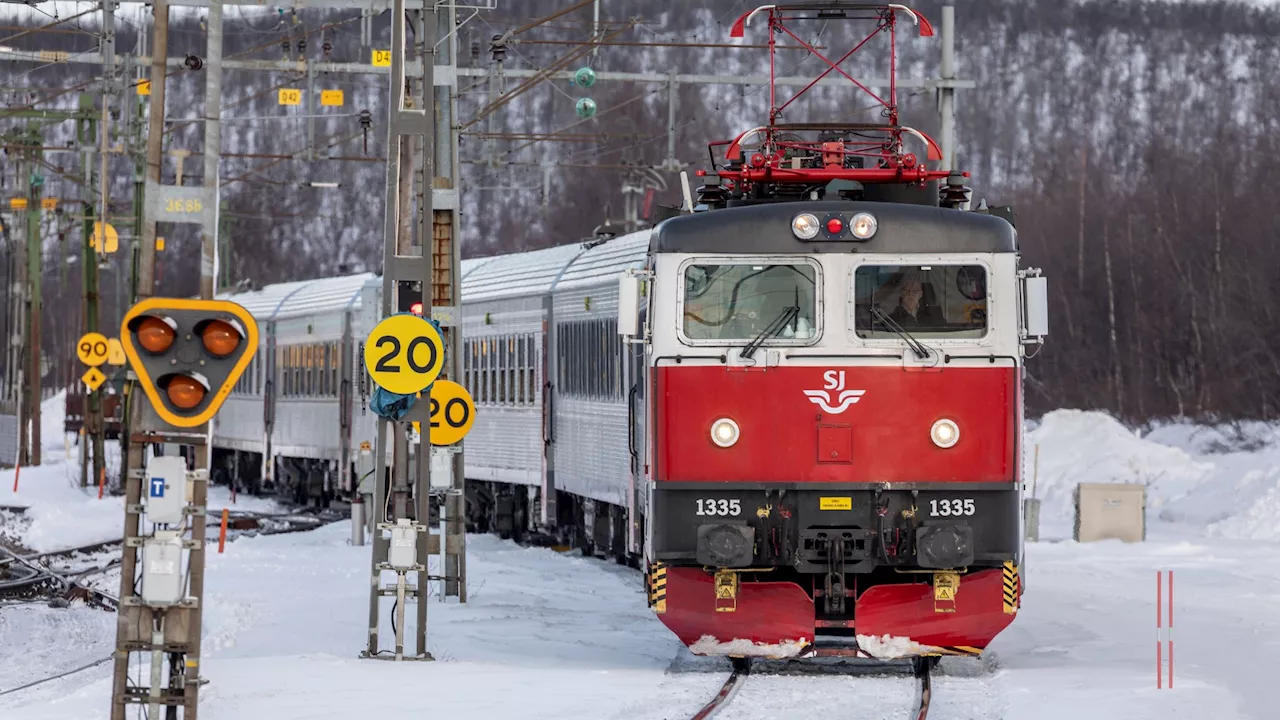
x=185, y=392
x=154, y=334
x=416, y=309
x=220, y=338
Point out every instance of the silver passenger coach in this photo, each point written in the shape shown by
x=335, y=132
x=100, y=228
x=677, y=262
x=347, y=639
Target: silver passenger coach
x=550, y=445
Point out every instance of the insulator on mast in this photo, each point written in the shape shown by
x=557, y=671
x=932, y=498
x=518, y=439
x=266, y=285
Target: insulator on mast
x=955, y=194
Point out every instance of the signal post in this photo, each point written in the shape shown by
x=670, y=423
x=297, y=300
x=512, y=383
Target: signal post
x=185, y=357
x=405, y=354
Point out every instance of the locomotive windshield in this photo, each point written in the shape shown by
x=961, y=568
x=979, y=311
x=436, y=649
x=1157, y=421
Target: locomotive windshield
x=939, y=301
x=737, y=302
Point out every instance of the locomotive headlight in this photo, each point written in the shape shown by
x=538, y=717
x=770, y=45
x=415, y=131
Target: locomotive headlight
x=944, y=433
x=805, y=226
x=724, y=432
x=863, y=226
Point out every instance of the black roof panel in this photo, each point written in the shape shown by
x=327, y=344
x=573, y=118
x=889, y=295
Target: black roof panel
x=901, y=228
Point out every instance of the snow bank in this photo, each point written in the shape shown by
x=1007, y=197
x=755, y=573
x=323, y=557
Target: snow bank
x=1193, y=476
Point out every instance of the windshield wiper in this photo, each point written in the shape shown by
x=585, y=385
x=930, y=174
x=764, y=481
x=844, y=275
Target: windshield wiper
x=916, y=346
x=775, y=327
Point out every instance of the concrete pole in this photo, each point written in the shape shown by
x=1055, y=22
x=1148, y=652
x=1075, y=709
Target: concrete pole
x=212, y=149
x=145, y=288
x=35, y=269
x=947, y=95
x=155, y=134
x=448, y=253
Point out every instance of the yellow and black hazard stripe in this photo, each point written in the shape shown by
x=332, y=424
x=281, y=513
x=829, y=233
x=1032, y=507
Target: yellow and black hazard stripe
x=1012, y=588
x=959, y=650
x=658, y=587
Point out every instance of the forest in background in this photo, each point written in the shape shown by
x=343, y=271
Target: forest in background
x=1132, y=138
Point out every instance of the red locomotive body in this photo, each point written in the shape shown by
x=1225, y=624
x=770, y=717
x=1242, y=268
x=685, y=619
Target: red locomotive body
x=835, y=345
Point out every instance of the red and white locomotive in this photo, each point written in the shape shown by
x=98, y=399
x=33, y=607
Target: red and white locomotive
x=834, y=401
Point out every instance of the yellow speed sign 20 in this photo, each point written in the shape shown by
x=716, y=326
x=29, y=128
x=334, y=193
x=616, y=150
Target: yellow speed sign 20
x=452, y=412
x=404, y=354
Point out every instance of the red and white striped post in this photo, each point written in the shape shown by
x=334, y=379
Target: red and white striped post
x=1161, y=633
x=1170, y=630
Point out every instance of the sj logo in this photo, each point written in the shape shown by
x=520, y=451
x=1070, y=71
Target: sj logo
x=834, y=393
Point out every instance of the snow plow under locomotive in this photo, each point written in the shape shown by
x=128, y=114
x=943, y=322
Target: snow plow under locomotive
x=835, y=347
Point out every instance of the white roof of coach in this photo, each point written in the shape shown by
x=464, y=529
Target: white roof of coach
x=302, y=297
x=538, y=272
x=604, y=263
x=518, y=274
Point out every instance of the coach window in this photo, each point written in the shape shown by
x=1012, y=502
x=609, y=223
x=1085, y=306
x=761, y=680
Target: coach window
x=468, y=364
x=486, y=360
x=334, y=368
x=309, y=361
x=509, y=350
x=927, y=301
x=736, y=302
x=520, y=369
x=286, y=371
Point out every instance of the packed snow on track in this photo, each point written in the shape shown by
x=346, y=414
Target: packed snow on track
x=549, y=635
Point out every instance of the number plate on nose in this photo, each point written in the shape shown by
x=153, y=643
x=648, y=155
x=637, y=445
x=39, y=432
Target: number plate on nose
x=952, y=507
x=718, y=507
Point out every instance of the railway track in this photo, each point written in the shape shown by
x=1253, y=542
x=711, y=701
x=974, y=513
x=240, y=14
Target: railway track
x=921, y=669
x=68, y=574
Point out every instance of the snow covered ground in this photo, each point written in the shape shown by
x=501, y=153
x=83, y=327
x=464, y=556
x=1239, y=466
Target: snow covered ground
x=58, y=513
x=546, y=635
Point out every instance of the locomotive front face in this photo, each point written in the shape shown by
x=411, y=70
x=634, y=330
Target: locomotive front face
x=836, y=428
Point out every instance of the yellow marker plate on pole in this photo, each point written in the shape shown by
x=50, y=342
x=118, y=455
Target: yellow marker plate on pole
x=115, y=352
x=382, y=58
x=144, y=87
x=113, y=239
x=93, y=378
x=404, y=354
x=18, y=203
x=331, y=98
x=289, y=96
x=93, y=349
x=452, y=412
x=49, y=203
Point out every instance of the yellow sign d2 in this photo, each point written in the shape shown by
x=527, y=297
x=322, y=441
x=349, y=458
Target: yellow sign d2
x=452, y=412
x=92, y=349
x=404, y=354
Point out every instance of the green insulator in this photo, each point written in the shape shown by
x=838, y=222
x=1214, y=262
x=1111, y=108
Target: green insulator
x=585, y=77
x=586, y=107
